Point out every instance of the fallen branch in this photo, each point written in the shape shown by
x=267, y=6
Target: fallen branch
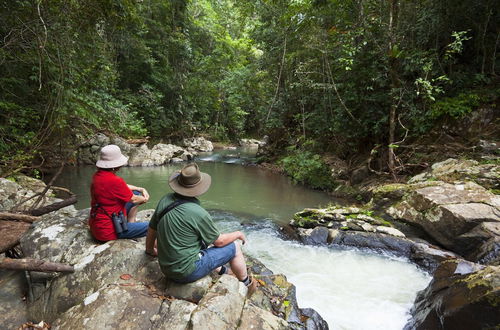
x=11, y=233
x=54, y=207
x=47, y=187
x=18, y=217
x=35, y=265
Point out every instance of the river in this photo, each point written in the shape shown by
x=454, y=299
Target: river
x=350, y=288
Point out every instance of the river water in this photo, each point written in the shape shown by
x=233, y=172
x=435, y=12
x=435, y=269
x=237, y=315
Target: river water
x=351, y=289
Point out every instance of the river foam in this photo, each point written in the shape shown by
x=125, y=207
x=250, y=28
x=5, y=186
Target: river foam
x=351, y=289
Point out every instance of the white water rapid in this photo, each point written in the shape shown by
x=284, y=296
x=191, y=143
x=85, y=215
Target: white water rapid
x=351, y=289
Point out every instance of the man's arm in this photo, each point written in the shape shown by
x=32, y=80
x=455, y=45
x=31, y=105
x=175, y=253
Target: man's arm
x=226, y=238
x=151, y=242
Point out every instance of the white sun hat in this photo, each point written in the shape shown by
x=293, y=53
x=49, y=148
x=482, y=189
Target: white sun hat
x=111, y=157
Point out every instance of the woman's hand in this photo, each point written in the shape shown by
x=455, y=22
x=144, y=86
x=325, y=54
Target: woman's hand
x=145, y=194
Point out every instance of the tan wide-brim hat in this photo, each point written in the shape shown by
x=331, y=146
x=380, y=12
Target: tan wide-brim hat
x=111, y=157
x=190, y=181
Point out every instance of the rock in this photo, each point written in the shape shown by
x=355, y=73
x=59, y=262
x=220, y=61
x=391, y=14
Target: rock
x=278, y=295
x=9, y=194
x=376, y=241
x=221, y=307
x=113, y=307
x=492, y=147
x=161, y=154
x=29, y=183
x=251, y=143
x=256, y=318
x=429, y=257
x=20, y=189
x=486, y=236
x=57, y=240
x=461, y=296
x=388, y=194
x=13, y=288
x=191, y=292
x=390, y=231
x=313, y=320
x=139, y=155
x=353, y=225
x=316, y=236
x=359, y=174
x=174, y=316
x=332, y=234
x=448, y=212
x=198, y=144
x=452, y=170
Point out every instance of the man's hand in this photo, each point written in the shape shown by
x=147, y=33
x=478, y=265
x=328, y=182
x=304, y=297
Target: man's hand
x=226, y=238
x=242, y=238
x=151, y=242
x=153, y=253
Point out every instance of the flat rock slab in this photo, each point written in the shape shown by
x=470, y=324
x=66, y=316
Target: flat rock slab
x=11, y=232
x=113, y=307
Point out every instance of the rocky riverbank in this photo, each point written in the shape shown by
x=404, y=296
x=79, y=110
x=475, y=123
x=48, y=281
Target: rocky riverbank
x=140, y=154
x=116, y=285
x=452, y=205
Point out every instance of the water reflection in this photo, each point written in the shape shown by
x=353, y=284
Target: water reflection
x=246, y=189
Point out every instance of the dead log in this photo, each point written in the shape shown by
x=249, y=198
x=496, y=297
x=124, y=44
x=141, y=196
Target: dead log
x=138, y=141
x=35, y=265
x=18, y=217
x=11, y=232
x=54, y=206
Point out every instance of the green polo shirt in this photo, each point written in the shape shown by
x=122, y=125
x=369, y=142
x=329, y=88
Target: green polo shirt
x=179, y=235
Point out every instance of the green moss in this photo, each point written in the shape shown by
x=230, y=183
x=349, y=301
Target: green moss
x=344, y=228
x=495, y=161
x=305, y=221
x=387, y=188
x=382, y=221
x=495, y=191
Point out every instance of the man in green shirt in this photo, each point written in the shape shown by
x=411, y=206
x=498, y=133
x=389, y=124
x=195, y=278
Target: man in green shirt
x=183, y=230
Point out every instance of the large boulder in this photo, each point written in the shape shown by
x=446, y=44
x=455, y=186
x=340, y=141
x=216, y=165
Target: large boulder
x=454, y=215
x=197, y=144
x=16, y=192
x=462, y=295
x=452, y=170
x=112, y=307
x=160, y=154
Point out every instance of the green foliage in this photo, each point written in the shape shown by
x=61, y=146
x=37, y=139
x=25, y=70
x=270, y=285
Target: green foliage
x=455, y=107
x=327, y=71
x=308, y=168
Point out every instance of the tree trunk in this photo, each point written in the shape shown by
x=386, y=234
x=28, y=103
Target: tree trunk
x=393, y=13
x=35, y=265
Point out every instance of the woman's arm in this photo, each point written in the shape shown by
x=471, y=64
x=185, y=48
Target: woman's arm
x=137, y=199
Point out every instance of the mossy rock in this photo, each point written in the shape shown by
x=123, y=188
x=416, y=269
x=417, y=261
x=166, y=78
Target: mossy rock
x=462, y=295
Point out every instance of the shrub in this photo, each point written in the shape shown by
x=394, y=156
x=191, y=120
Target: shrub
x=455, y=107
x=308, y=168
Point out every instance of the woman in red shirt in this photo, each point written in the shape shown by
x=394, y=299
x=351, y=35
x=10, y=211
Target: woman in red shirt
x=112, y=195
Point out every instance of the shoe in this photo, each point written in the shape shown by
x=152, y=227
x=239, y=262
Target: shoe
x=252, y=287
